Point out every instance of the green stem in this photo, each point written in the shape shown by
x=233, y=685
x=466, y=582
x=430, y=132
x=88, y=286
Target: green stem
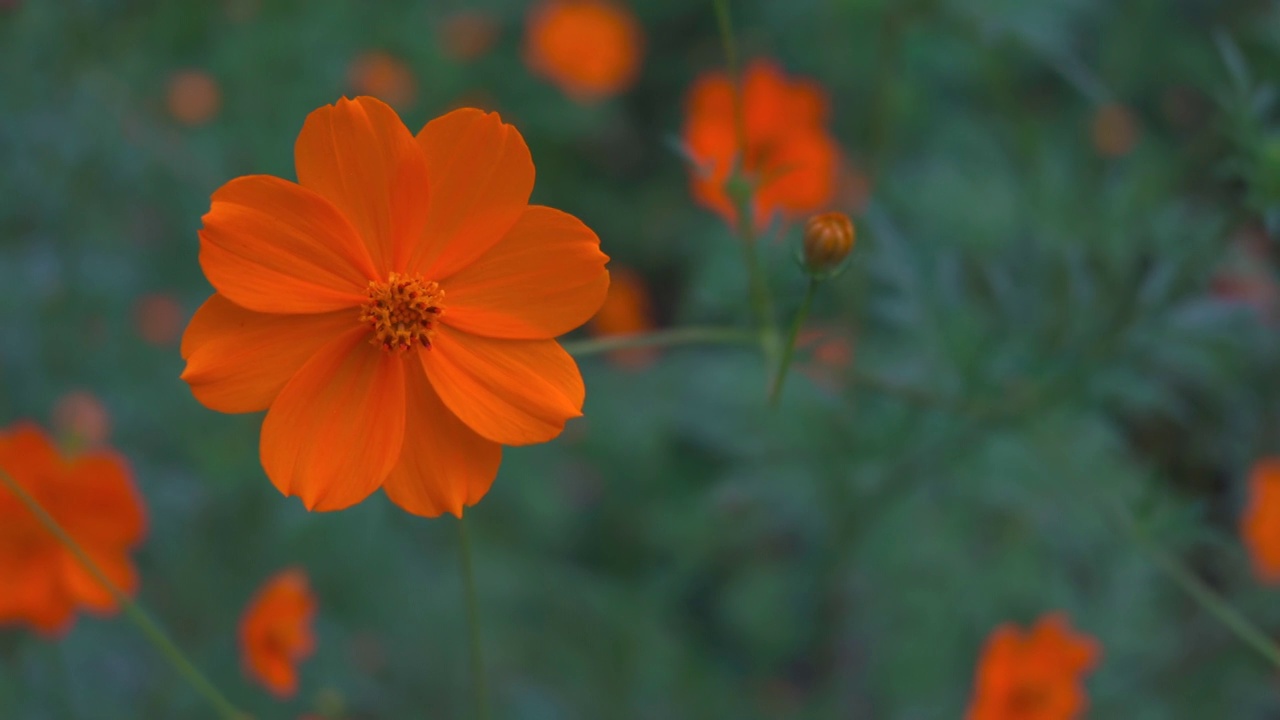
x=740, y=191
x=673, y=336
x=473, y=622
x=789, y=350
x=135, y=613
x=725, y=23
x=1212, y=602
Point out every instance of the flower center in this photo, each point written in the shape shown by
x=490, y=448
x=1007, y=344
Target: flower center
x=402, y=312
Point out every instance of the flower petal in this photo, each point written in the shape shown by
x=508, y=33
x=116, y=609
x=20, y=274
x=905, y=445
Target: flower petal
x=444, y=464
x=84, y=587
x=99, y=504
x=481, y=176
x=336, y=428
x=273, y=246
x=543, y=279
x=238, y=360
x=515, y=392
x=360, y=156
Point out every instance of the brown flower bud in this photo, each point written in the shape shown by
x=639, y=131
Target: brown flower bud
x=828, y=238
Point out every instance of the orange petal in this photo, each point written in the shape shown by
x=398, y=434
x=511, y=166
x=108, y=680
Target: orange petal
x=98, y=504
x=444, y=464
x=481, y=176
x=361, y=157
x=273, y=246
x=543, y=279
x=515, y=392
x=84, y=587
x=336, y=428
x=32, y=591
x=239, y=360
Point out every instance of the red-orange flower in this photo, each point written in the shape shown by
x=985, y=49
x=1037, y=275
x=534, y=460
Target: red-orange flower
x=1260, y=523
x=275, y=632
x=791, y=159
x=92, y=497
x=468, y=35
x=80, y=420
x=627, y=310
x=158, y=318
x=590, y=49
x=1036, y=675
x=393, y=311
x=193, y=97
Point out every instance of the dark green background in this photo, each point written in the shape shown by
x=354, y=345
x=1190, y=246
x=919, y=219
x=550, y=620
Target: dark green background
x=1037, y=343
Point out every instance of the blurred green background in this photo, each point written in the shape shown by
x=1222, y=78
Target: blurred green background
x=1062, y=301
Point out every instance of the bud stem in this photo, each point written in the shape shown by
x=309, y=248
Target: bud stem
x=789, y=350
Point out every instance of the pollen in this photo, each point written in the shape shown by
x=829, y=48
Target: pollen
x=402, y=312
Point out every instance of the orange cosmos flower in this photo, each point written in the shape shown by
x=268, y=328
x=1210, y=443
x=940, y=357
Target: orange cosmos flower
x=393, y=311
x=1260, y=523
x=380, y=74
x=589, y=48
x=80, y=420
x=158, y=318
x=275, y=632
x=93, y=498
x=790, y=157
x=468, y=35
x=1115, y=131
x=627, y=310
x=194, y=97
x=1034, y=675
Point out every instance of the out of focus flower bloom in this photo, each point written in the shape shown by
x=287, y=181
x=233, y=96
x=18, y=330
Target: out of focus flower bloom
x=276, y=631
x=627, y=310
x=826, y=355
x=1260, y=523
x=590, y=49
x=1115, y=131
x=1246, y=276
x=158, y=318
x=80, y=420
x=92, y=497
x=791, y=159
x=383, y=76
x=1036, y=675
x=193, y=97
x=828, y=238
x=395, y=310
x=467, y=35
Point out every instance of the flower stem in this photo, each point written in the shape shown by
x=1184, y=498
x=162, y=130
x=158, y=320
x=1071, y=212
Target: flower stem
x=1212, y=602
x=140, y=618
x=740, y=189
x=473, y=622
x=789, y=349
x=674, y=336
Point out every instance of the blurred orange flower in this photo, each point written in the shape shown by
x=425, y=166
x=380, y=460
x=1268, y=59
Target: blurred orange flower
x=791, y=158
x=830, y=355
x=1260, y=523
x=383, y=76
x=275, y=632
x=158, y=318
x=627, y=310
x=194, y=97
x=394, y=311
x=1115, y=130
x=80, y=420
x=93, y=498
x=1036, y=675
x=468, y=35
x=590, y=49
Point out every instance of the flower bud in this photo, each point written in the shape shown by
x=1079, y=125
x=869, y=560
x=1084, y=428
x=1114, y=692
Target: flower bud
x=828, y=238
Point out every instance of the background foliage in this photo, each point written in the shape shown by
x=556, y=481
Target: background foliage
x=1042, y=332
